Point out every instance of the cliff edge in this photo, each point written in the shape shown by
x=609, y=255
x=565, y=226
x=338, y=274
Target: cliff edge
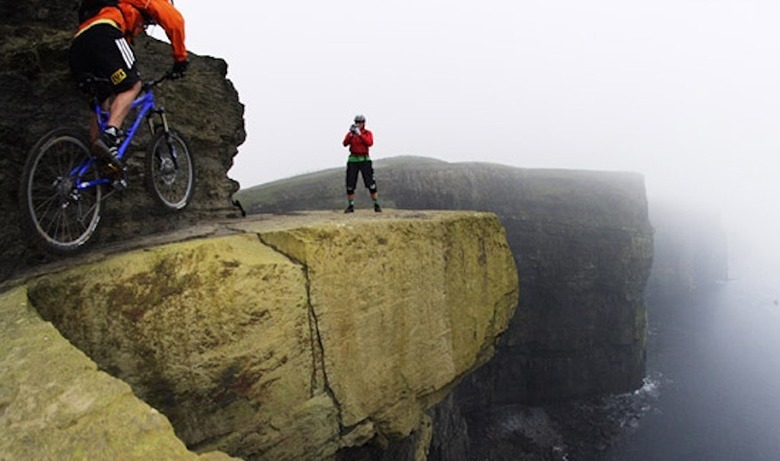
x=276, y=338
x=583, y=246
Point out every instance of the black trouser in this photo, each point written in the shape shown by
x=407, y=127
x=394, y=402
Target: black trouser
x=364, y=168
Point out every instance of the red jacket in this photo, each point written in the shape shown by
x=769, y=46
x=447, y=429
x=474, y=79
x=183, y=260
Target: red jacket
x=359, y=144
x=129, y=18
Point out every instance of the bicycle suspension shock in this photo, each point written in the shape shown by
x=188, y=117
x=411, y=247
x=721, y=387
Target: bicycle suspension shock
x=163, y=123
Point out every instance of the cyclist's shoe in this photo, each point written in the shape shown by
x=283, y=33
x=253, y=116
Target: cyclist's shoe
x=377, y=208
x=350, y=209
x=106, y=148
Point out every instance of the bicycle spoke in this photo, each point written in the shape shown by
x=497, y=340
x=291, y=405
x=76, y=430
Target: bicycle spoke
x=62, y=217
x=44, y=208
x=170, y=171
x=53, y=224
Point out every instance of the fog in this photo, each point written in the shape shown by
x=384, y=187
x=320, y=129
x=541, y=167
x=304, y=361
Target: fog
x=684, y=92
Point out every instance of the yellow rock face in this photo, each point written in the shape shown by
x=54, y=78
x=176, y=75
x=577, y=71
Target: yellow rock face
x=403, y=307
x=55, y=404
x=293, y=337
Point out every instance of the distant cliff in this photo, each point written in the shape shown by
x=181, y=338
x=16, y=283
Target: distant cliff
x=691, y=249
x=583, y=246
x=302, y=337
x=37, y=95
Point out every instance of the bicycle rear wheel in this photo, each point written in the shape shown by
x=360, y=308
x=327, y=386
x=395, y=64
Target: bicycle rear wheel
x=59, y=216
x=170, y=170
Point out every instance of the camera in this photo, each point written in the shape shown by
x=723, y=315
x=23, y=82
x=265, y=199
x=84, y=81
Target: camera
x=354, y=129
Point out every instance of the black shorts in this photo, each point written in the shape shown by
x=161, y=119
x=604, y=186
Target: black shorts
x=102, y=51
x=366, y=169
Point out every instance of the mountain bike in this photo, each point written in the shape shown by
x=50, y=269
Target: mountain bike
x=63, y=184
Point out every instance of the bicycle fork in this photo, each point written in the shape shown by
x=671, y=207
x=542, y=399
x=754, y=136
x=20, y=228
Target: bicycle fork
x=166, y=129
x=153, y=127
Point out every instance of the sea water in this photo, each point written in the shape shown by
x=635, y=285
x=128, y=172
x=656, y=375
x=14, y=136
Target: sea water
x=712, y=391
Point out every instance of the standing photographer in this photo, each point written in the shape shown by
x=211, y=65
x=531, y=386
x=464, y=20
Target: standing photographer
x=359, y=139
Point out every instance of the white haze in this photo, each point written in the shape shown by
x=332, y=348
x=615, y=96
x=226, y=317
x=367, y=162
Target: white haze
x=685, y=92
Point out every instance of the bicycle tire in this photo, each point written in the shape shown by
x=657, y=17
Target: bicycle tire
x=170, y=170
x=60, y=218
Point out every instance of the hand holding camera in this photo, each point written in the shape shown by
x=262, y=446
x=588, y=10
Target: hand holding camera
x=355, y=130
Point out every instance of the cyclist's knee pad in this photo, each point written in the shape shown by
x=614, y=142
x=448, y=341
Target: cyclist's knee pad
x=350, y=191
x=373, y=188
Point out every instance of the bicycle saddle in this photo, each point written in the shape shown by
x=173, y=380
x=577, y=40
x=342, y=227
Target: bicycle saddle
x=97, y=87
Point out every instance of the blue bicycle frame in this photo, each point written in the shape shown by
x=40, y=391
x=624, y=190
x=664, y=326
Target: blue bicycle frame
x=143, y=105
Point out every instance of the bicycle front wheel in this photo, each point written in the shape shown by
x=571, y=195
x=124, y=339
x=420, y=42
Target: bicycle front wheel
x=59, y=215
x=170, y=170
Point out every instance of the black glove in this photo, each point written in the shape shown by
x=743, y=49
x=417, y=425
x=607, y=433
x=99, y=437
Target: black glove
x=179, y=68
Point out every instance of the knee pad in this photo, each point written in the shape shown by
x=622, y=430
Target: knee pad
x=350, y=191
x=372, y=187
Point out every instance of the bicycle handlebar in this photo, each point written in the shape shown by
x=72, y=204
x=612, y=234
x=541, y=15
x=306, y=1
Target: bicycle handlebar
x=149, y=85
x=96, y=86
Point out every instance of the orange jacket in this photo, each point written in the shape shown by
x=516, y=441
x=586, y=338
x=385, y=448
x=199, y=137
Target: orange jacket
x=129, y=18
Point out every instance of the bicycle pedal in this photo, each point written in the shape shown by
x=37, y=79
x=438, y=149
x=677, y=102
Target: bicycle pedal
x=119, y=184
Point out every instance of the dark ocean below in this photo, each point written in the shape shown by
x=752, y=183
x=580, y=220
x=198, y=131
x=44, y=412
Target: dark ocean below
x=713, y=386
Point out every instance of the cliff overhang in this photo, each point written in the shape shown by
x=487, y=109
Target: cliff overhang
x=288, y=337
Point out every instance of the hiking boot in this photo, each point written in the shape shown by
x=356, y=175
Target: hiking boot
x=350, y=209
x=377, y=208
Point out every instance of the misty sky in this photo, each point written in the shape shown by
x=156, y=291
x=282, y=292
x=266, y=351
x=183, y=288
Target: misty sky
x=683, y=91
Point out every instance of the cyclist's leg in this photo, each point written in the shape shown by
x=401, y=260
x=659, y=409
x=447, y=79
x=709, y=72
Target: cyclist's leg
x=103, y=51
x=93, y=125
x=124, y=76
x=121, y=104
x=118, y=63
x=106, y=144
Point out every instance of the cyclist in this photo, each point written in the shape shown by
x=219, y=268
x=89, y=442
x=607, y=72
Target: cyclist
x=101, y=47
